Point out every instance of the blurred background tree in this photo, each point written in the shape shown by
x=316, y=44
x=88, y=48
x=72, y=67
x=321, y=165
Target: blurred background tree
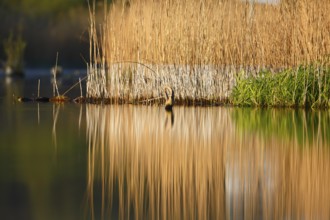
x=47, y=27
x=14, y=49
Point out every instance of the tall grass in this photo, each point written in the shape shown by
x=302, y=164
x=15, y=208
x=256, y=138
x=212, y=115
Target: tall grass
x=301, y=87
x=183, y=41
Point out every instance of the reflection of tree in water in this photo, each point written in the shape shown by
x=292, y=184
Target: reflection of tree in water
x=201, y=168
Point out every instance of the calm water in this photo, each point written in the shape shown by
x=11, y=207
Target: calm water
x=138, y=162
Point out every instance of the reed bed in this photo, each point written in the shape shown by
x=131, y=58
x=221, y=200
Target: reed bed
x=191, y=84
x=197, y=164
x=197, y=47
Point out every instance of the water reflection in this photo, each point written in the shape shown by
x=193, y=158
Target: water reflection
x=209, y=164
x=306, y=127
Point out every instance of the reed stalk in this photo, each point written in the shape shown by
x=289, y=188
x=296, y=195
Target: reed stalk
x=54, y=75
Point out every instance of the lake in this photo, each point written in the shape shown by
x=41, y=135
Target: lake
x=72, y=161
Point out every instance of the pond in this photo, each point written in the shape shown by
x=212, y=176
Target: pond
x=72, y=161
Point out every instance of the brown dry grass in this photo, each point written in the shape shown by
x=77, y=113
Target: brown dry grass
x=218, y=32
x=184, y=41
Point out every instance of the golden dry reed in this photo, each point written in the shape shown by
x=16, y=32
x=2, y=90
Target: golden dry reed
x=144, y=163
x=183, y=41
x=221, y=32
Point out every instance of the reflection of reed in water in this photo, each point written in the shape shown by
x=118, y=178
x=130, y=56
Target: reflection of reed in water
x=201, y=168
x=56, y=110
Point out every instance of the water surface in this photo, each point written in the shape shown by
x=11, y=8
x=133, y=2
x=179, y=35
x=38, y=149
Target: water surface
x=74, y=161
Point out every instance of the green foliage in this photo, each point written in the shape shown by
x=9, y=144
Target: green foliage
x=14, y=50
x=306, y=86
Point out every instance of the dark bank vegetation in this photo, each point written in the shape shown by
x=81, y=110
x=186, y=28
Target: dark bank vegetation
x=14, y=48
x=46, y=27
